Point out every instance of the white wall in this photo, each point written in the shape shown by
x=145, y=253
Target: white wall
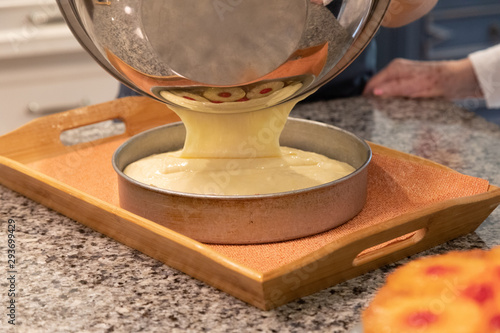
x=43, y=69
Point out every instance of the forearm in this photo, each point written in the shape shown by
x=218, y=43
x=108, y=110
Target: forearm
x=402, y=12
x=459, y=80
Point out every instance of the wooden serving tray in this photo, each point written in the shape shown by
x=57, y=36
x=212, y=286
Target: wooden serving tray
x=305, y=270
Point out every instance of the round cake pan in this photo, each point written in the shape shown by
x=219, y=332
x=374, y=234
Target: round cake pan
x=250, y=219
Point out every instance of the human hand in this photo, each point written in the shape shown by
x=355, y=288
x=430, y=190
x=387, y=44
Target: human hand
x=425, y=79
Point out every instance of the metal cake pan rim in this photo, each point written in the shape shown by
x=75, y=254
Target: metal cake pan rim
x=240, y=197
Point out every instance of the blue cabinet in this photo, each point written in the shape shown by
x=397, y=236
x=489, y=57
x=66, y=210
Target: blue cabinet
x=446, y=4
x=455, y=32
x=452, y=30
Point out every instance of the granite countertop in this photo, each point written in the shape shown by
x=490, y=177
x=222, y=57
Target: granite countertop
x=73, y=279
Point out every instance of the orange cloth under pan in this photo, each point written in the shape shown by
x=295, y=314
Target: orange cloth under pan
x=395, y=187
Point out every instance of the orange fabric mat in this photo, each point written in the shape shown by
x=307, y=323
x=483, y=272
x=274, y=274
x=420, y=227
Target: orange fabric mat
x=395, y=187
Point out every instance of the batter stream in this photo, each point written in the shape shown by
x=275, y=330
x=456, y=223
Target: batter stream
x=236, y=153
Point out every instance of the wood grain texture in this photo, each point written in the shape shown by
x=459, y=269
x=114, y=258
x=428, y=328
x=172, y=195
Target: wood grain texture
x=138, y=114
x=331, y=264
x=163, y=244
x=341, y=261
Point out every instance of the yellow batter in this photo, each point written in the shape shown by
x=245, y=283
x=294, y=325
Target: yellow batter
x=295, y=169
x=236, y=154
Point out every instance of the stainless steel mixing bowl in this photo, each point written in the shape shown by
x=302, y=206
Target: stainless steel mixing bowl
x=233, y=56
x=201, y=53
x=254, y=218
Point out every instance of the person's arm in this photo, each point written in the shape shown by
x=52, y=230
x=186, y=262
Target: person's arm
x=402, y=12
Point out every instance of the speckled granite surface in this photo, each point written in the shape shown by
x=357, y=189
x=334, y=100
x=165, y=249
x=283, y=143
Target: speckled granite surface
x=72, y=279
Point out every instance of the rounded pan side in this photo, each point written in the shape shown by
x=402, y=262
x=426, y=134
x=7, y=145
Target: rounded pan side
x=250, y=219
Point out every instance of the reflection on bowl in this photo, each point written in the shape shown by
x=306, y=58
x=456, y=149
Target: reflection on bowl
x=165, y=45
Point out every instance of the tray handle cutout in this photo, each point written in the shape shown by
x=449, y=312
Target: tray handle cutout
x=387, y=247
x=137, y=113
x=92, y=132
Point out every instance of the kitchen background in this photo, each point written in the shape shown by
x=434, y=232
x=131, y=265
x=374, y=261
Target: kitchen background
x=44, y=70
